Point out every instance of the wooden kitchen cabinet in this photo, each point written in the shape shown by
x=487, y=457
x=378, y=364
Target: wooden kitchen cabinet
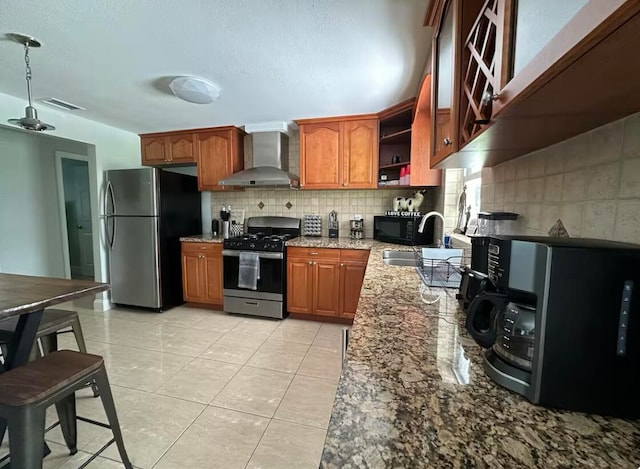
x=509, y=76
x=320, y=146
x=405, y=131
x=202, y=273
x=339, y=153
x=182, y=148
x=325, y=282
x=300, y=285
x=351, y=277
x=456, y=20
x=168, y=148
x=353, y=264
x=192, y=277
x=220, y=154
x=360, y=154
x=154, y=150
x=326, y=287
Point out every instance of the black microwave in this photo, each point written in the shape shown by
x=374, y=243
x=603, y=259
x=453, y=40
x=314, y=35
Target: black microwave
x=403, y=230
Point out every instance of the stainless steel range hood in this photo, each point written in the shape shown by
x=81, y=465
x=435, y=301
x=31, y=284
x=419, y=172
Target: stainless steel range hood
x=270, y=163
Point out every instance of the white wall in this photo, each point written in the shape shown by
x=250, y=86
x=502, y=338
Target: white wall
x=29, y=216
x=112, y=148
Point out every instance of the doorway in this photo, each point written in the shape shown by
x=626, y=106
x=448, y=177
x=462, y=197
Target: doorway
x=75, y=201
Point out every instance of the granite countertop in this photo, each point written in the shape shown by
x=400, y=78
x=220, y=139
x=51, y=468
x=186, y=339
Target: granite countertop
x=202, y=238
x=331, y=243
x=413, y=394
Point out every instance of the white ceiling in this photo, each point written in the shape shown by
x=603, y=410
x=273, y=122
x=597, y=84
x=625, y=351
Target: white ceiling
x=273, y=59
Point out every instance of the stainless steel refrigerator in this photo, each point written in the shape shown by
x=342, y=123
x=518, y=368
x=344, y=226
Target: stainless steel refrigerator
x=146, y=211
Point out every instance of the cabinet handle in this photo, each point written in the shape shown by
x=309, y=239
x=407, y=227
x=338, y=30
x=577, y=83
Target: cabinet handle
x=344, y=184
x=310, y=263
x=447, y=141
x=487, y=97
x=313, y=253
x=341, y=265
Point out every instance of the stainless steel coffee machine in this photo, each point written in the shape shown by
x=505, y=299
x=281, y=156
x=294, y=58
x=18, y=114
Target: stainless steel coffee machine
x=562, y=322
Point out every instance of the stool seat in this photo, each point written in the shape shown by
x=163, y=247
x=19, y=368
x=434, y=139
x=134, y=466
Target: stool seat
x=52, y=320
x=36, y=380
x=27, y=390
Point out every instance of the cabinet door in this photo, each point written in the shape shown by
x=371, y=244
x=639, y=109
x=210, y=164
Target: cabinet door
x=213, y=269
x=326, y=287
x=445, y=97
x=182, y=148
x=299, y=286
x=360, y=154
x=214, y=159
x=193, y=277
x=320, y=156
x=351, y=277
x=154, y=150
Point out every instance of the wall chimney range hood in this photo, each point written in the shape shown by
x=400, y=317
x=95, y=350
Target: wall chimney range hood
x=270, y=163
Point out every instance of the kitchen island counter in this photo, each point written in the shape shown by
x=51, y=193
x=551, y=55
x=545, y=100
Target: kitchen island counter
x=413, y=393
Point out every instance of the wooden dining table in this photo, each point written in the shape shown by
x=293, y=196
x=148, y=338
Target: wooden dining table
x=26, y=297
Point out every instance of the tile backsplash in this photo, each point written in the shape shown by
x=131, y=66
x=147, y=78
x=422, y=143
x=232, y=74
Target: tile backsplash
x=591, y=182
x=346, y=202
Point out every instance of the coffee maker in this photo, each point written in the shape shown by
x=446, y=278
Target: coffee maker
x=562, y=322
x=473, y=277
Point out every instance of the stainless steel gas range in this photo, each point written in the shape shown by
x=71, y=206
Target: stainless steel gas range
x=264, y=245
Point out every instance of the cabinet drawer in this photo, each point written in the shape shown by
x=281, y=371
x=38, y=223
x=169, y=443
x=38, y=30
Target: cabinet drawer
x=322, y=253
x=209, y=248
x=361, y=255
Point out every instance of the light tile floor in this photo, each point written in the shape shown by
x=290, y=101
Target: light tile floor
x=202, y=389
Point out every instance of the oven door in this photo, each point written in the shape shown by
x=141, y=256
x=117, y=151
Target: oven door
x=271, y=283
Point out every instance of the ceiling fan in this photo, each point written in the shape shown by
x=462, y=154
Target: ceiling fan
x=30, y=121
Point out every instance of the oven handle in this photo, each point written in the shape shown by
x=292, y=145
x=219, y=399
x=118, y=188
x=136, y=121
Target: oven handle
x=261, y=255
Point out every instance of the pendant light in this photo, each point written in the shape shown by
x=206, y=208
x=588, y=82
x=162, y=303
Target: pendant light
x=30, y=121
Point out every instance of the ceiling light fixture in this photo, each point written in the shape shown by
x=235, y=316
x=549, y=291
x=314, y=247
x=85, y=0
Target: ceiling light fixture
x=194, y=90
x=30, y=121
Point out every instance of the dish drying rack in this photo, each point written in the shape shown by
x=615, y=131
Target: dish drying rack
x=440, y=267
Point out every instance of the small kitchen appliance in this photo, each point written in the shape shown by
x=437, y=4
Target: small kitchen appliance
x=562, y=322
x=473, y=278
x=334, y=227
x=266, y=237
x=403, y=230
x=356, y=227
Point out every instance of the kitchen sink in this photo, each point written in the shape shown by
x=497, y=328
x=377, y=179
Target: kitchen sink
x=398, y=258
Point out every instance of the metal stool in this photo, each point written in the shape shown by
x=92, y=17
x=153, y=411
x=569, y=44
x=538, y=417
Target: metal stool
x=53, y=322
x=27, y=391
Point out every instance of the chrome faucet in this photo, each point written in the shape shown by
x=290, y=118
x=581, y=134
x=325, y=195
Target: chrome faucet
x=424, y=222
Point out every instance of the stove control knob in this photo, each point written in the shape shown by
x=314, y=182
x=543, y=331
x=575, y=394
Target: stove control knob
x=252, y=245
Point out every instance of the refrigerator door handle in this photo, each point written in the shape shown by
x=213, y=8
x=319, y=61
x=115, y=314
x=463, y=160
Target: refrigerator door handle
x=109, y=196
x=113, y=235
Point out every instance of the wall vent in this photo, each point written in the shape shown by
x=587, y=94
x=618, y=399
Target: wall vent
x=60, y=104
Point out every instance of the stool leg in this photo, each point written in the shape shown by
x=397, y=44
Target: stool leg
x=77, y=332
x=110, y=409
x=26, y=445
x=66, y=408
x=49, y=343
x=3, y=429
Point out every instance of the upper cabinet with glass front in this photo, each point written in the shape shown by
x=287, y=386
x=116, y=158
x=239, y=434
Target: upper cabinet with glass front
x=514, y=76
x=455, y=19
